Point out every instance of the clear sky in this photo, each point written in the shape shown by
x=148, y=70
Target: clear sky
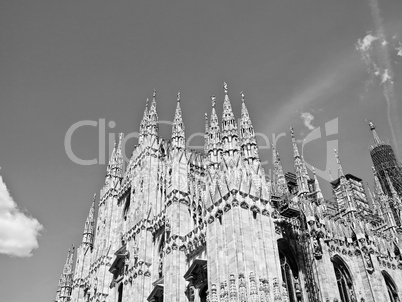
x=62, y=62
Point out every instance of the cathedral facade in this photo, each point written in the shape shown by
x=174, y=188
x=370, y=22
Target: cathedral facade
x=179, y=225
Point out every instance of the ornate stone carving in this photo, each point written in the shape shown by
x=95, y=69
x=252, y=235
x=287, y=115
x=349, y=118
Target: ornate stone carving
x=285, y=294
x=261, y=290
x=253, y=288
x=242, y=288
x=214, y=295
x=277, y=294
x=317, y=249
x=232, y=289
x=369, y=263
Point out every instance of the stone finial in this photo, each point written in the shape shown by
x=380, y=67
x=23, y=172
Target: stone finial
x=213, y=100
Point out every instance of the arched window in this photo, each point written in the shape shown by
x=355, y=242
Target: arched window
x=391, y=287
x=289, y=268
x=160, y=255
x=344, y=281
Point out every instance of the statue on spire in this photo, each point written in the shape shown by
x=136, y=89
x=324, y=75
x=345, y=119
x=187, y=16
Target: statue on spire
x=300, y=169
x=178, y=136
x=377, y=140
x=213, y=100
x=319, y=196
x=338, y=161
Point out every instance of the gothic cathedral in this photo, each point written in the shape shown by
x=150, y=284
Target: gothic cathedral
x=179, y=225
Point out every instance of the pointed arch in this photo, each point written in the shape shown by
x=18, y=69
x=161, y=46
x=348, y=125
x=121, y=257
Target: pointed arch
x=290, y=270
x=344, y=279
x=391, y=287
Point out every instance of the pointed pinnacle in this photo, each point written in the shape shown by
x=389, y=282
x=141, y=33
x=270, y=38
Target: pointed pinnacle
x=178, y=96
x=213, y=100
x=120, y=139
x=292, y=134
x=370, y=194
x=242, y=96
x=225, y=87
x=338, y=161
x=295, y=149
x=376, y=138
x=154, y=93
x=371, y=125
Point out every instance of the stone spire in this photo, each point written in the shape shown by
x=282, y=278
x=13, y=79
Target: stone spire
x=144, y=125
x=116, y=162
x=396, y=200
x=153, y=117
x=89, y=228
x=338, y=162
x=383, y=199
x=280, y=185
x=374, y=201
x=214, y=140
x=68, y=266
x=300, y=169
x=319, y=196
x=59, y=288
x=229, y=135
x=178, y=136
x=376, y=138
x=66, y=279
x=248, y=141
x=349, y=202
x=206, y=135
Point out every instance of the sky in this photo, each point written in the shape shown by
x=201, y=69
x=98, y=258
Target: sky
x=314, y=65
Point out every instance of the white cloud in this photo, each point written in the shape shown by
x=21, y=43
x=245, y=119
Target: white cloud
x=399, y=49
x=385, y=77
x=364, y=45
x=18, y=231
x=307, y=118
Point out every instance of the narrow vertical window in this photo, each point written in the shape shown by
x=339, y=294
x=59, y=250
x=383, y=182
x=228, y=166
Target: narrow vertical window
x=344, y=281
x=290, y=271
x=288, y=278
x=120, y=293
x=391, y=287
